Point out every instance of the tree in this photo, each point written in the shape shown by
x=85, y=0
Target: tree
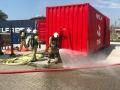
x=113, y=35
x=3, y=16
x=38, y=17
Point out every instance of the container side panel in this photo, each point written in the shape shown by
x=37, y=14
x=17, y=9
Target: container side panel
x=62, y=26
x=89, y=33
x=71, y=27
x=103, y=25
x=58, y=19
x=66, y=36
x=93, y=30
x=85, y=29
x=50, y=22
x=54, y=21
x=75, y=28
x=98, y=27
x=107, y=33
x=47, y=25
x=80, y=27
x=41, y=27
x=100, y=32
x=65, y=29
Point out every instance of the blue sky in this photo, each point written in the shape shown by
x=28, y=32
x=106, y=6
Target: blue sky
x=25, y=9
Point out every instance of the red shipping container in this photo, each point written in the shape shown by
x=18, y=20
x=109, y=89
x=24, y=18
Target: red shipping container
x=107, y=33
x=41, y=27
x=81, y=27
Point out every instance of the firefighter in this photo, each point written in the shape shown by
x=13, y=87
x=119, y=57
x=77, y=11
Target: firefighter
x=53, y=48
x=34, y=44
x=22, y=39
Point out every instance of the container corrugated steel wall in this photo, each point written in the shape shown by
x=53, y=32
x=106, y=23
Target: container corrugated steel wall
x=81, y=27
x=41, y=27
x=97, y=30
x=107, y=33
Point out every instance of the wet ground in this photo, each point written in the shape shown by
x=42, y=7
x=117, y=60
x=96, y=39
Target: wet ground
x=90, y=79
x=105, y=78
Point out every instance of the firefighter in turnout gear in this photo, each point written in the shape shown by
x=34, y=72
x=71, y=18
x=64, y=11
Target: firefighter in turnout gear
x=34, y=44
x=53, y=49
x=23, y=39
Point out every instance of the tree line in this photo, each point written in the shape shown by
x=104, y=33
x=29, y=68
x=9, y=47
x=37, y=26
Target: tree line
x=3, y=16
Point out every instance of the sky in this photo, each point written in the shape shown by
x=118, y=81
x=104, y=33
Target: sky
x=25, y=9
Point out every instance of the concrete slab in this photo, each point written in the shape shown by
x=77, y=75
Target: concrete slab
x=106, y=78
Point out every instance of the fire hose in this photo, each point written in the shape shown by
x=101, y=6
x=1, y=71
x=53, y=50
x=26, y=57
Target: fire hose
x=62, y=69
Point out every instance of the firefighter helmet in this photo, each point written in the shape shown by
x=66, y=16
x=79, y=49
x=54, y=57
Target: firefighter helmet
x=55, y=34
x=34, y=31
